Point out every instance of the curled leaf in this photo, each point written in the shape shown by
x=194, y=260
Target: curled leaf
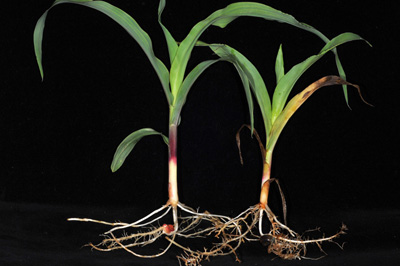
x=262, y=149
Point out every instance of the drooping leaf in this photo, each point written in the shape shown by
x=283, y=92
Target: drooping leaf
x=124, y=20
x=171, y=43
x=249, y=97
x=126, y=146
x=342, y=74
x=222, y=18
x=287, y=82
x=295, y=103
x=247, y=69
x=37, y=41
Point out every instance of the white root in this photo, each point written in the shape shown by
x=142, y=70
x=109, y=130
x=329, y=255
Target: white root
x=188, y=224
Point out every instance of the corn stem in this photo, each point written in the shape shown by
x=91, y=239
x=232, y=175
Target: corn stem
x=172, y=165
x=265, y=181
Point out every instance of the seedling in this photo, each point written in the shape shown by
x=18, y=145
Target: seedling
x=280, y=239
x=176, y=87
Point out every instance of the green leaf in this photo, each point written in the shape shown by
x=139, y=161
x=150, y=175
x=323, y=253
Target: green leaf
x=342, y=74
x=129, y=143
x=247, y=90
x=295, y=103
x=180, y=98
x=243, y=77
x=287, y=82
x=279, y=65
x=37, y=41
x=222, y=18
x=125, y=21
x=172, y=45
x=249, y=71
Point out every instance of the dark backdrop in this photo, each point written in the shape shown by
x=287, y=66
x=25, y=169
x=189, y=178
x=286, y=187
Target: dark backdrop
x=58, y=136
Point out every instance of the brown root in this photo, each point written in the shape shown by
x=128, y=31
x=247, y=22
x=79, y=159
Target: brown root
x=280, y=239
x=290, y=245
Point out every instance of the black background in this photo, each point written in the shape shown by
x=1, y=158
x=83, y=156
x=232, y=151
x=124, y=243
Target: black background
x=58, y=136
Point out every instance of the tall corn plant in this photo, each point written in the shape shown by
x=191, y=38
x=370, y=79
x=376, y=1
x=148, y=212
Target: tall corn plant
x=176, y=87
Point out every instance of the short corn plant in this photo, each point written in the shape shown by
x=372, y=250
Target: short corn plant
x=280, y=239
x=176, y=86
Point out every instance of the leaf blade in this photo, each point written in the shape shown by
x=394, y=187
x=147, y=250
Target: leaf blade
x=279, y=65
x=257, y=85
x=37, y=42
x=180, y=98
x=288, y=81
x=298, y=100
x=125, y=21
x=171, y=43
x=127, y=145
x=222, y=18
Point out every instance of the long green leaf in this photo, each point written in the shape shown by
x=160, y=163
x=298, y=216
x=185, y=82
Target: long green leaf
x=180, y=98
x=124, y=20
x=222, y=18
x=297, y=101
x=172, y=45
x=126, y=146
x=247, y=69
x=287, y=82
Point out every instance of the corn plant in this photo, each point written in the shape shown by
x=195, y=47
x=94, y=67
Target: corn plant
x=176, y=87
x=276, y=114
